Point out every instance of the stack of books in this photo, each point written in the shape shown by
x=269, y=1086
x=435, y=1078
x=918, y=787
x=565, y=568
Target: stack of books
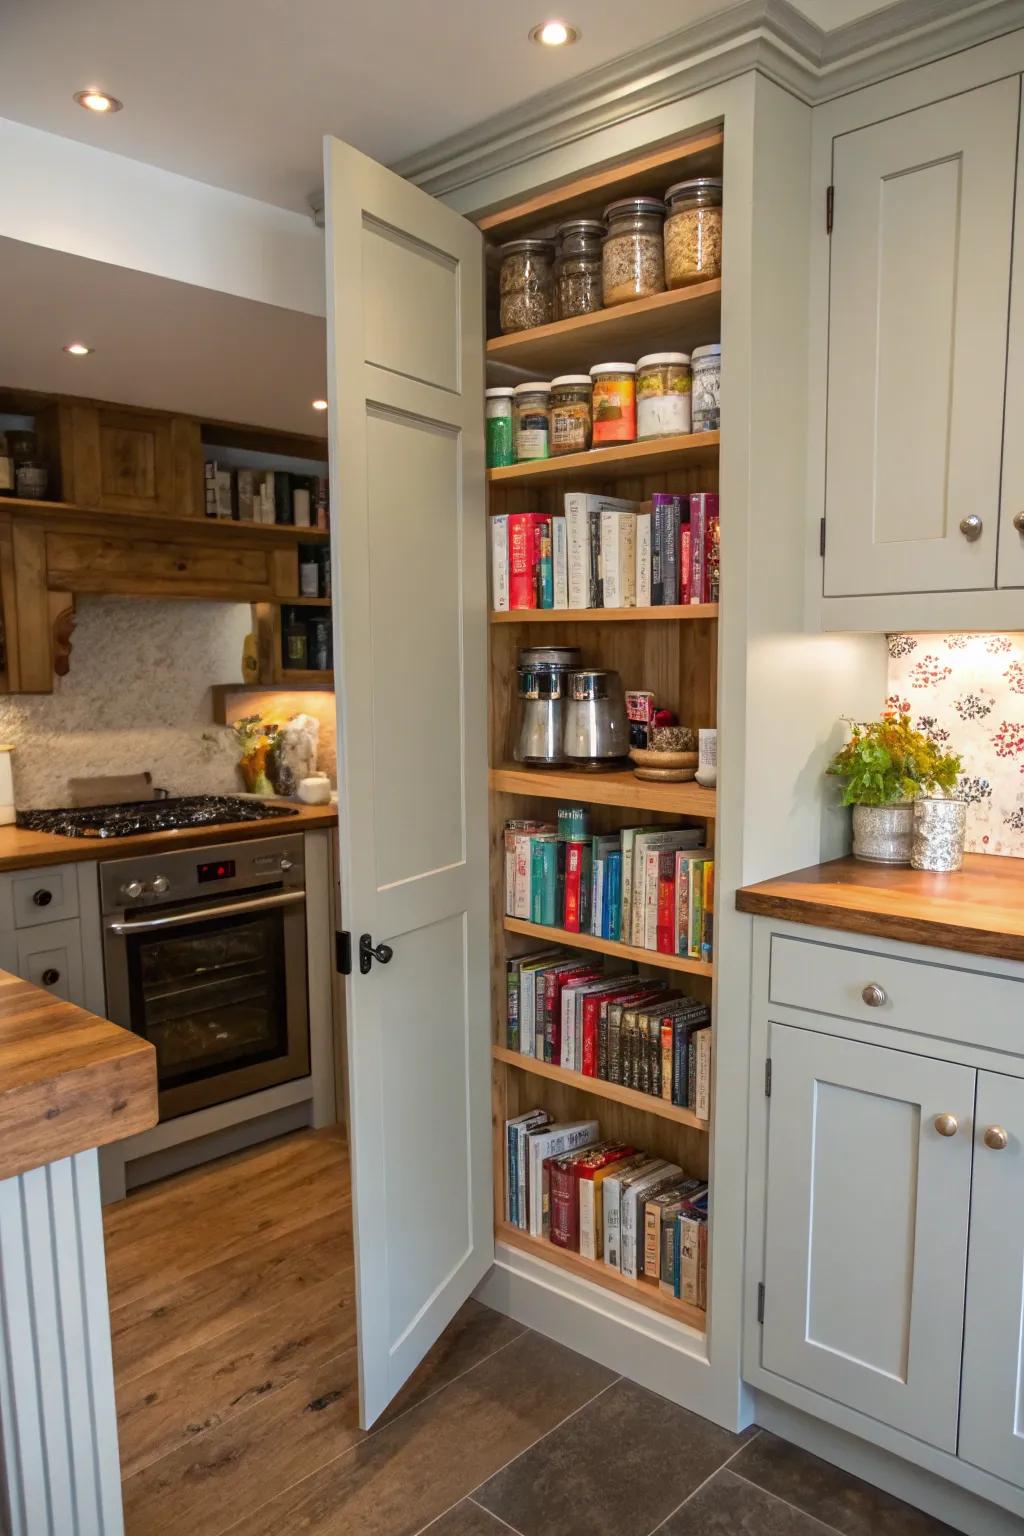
x=605, y=552
x=266, y=496
x=608, y=1201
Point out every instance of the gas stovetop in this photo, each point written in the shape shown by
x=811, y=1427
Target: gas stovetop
x=150, y=816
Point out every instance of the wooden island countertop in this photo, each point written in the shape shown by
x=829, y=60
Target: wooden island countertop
x=68, y=1079
x=979, y=909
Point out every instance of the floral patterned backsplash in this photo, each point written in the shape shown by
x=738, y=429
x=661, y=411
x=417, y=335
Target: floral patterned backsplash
x=967, y=691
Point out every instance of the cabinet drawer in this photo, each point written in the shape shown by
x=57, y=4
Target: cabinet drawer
x=51, y=957
x=937, y=1000
x=45, y=895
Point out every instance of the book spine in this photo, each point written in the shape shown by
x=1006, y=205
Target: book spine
x=611, y=1192
x=657, y=559
x=499, y=563
x=685, y=569
x=643, y=560
x=283, y=510
x=510, y=1212
x=627, y=559
x=596, y=894
x=681, y=933
x=696, y=910
x=707, y=927
x=680, y=1062
x=573, y=882
x=589, y=1192
x=545, y=566
x=712, y=560
x=689, y=1259
x=559, y=561
x=591, y=1017
x=611, y=584
x=666, y=912
x=691, y=1073
x=625, y=903
x=676, y=1237
x=652, y=865
x=522, y=579
x=522, y=897
x=667, y=1077
x=702, y=1101
x=577, y=529
x=698, y=536
x=670, y=551
x=596, y=594
x=561, y=1188
x=652, y=1240
x=612, y=883
x=614, y=1072
x=628, y=1233
x=512, y=1005
x=667, y=1277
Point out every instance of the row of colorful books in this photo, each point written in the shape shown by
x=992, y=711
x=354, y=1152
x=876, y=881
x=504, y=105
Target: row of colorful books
x=608, y=1201
x=267, y=496
x=650, y=887
x=566, y=1009
x=607, y=552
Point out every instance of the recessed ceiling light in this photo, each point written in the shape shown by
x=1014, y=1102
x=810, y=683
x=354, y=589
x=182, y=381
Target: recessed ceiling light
x=98, y=101
x=78, y=349
x=554, y=34
x=319, y=405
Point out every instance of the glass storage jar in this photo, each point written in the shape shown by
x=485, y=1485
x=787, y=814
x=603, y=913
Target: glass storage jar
x=614, y=403
x=633, y=255
x=693, y=231
x=706, y=375
x=578, y=268
x=532, y=426
x=571, y=419
x=526, y=284
x=498, y=425
x=662, y=394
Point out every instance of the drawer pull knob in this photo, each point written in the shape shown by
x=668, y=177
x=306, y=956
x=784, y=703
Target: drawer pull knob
x=947, y=1125
x=971, y=527
x=1018, y=522
x=51, y=977
x=874, y=995
x=996, y=1138
x=42, y=898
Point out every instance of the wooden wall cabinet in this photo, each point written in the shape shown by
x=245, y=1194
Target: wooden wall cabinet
x=125, y=460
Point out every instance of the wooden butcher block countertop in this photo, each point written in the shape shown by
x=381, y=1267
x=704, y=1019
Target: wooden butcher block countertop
x=68, y=1080
x=22, y=849
x=980, y=909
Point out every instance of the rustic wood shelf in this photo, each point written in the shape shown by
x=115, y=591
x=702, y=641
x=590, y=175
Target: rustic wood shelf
x=650, y=458
x=647, y=1293
x=601, y=1089
x=156, y=523
x=611, y=947
x=291, y=678
x=687, y=316
x=305, y=602
x=618, y=787
x=671, y=611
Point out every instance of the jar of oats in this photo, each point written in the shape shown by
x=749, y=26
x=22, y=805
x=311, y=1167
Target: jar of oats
x=571, y=424
x=693, y=231
x=526, y=284
x=633, y=256
x=578, y=268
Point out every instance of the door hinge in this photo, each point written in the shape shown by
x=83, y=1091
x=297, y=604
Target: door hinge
x=830, y=208
x=768, y=1078
x=821, y=539
x=343, y=953
x=760, y=1301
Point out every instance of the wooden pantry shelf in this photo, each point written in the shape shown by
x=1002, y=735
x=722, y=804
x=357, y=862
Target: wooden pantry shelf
x=647, y=1293
x=671, y=611
x=601, y=1089
x=205, y=529
x=653, y=957
x=292, y=678
x=650, y=458
x=677, y=321
x=618, y=786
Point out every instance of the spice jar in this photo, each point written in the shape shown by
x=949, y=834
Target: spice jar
x=498, y=426
x=662, y=394
x=578, y=268
x=706, y=374
x=571, y=421
x=532, y=422
x=633, y=256
x=526, y=284
x=614, y=403
x=693, y=231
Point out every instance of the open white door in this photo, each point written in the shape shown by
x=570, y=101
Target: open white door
x=408, y=517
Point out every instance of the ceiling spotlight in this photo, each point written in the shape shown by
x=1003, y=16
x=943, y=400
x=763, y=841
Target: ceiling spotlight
x=319, y=405
x=554, y=34
x=78, y=349
x=98, y=101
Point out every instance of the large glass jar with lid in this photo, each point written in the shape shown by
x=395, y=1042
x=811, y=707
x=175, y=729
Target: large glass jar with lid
x=693, y=231
x=578, y=268
x=633, y=256
x=527, y=284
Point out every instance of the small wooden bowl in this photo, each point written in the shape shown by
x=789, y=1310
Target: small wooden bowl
x=664, y=767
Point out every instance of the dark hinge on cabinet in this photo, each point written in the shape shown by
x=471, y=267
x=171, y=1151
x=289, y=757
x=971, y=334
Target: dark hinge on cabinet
x=343, y=953
x=821, y=539
x=760, y=1301
x=830, y=208
x=768, y=1078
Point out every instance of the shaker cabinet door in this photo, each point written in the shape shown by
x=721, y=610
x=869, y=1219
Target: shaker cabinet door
x=1011, y=515
x=919, y=283
x=51, y=956
x=992, y=1401
x=866, y=1245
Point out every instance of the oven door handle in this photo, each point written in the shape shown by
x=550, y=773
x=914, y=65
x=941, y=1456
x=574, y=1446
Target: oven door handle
x=179, y=919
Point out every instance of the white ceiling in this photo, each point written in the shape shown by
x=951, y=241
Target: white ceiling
x=239, y=93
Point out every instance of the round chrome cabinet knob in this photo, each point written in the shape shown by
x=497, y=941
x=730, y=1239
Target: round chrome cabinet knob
x=996, y=1138
x=971, y=527
x=160, y=885
x=1018, y=522
x=286, y=864
x=947, y=1125
x=874, y=995
x=133, y=890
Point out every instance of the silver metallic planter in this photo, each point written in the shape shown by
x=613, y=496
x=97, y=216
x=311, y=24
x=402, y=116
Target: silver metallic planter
x=940, y=827
x=882, y=834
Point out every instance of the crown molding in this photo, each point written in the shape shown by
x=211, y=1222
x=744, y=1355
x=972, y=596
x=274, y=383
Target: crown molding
x=769, y=36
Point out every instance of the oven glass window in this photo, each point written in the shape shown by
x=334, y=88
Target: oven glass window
x=211, y=996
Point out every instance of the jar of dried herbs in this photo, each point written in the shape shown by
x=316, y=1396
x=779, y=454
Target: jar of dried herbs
x=532, y=422
x=633, y=255
x=693, y=231
x=662, y=395
x=571, y=422
x=578, y=268
x=526, y=284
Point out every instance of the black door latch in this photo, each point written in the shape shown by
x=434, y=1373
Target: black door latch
x=369, y=952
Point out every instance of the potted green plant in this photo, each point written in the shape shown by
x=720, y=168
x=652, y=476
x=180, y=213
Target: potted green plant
x=886, y=765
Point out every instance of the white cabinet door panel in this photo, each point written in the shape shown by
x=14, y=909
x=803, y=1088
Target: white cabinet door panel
x=1011, y=537
x=992, y=1401
x=919, y=278
x=866, y=1243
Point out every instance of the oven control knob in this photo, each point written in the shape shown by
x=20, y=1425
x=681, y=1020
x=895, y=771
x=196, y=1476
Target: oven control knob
x=160, y=885
x=133, y=889
x=286, y=864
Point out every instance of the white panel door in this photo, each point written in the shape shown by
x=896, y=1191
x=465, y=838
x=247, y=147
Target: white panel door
x=866, y=1243
x=405, y=332
x=1011, y=512
x=919, y=285
x=992, y=1400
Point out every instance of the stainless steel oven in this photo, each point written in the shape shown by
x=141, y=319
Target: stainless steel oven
x=205, y=956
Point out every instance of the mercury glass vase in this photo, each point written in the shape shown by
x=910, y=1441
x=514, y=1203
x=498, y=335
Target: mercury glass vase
x=882, y=834
x=940, y=827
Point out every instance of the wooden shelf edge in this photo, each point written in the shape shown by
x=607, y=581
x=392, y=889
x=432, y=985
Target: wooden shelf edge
x=173, y=527
x=646, y=1102
x=520, y=343
x=620, y=788
x=671, y=611
x=599, y=462
x=653, y=957
x=644, y=1292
